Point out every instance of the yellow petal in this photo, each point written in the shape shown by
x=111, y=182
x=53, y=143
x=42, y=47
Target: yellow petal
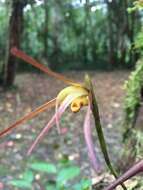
x=71, y=90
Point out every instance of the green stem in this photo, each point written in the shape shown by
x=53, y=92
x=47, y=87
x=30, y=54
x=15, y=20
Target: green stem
x=99, y=130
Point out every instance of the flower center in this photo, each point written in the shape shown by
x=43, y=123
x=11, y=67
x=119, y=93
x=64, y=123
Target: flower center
x=78, y=103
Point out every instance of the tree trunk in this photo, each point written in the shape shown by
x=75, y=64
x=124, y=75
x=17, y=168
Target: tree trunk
x=45, y=29
x=120, y=31
x=112, y=45
x=55, y=55
x=15, y=30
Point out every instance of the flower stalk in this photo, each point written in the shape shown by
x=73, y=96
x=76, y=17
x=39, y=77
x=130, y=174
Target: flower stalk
x=99, y=130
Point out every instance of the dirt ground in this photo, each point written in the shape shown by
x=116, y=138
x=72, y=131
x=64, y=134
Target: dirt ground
x=33, y=90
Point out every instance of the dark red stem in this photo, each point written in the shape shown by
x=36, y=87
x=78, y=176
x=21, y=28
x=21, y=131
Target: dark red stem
x=135, y=169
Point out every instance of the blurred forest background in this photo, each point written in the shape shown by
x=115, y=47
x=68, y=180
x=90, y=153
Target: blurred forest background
x=69, y=34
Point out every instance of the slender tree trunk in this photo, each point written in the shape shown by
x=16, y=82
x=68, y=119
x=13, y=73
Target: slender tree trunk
x=45, y=29
x=112, y=51
x=55, y=58
x=121, y=26
x=15, y=30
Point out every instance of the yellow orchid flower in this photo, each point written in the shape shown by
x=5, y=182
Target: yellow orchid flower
x=75, y=96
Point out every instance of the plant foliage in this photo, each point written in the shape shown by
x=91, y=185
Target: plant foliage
x=53, y=177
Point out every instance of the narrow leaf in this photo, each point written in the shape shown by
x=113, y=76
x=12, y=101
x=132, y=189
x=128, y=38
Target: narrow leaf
x=68, y=174
x=21, y=184
x=43, y=167
x=28, y=176
x=99, y=130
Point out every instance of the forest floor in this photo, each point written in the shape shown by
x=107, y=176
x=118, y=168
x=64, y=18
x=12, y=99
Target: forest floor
x=33, y=90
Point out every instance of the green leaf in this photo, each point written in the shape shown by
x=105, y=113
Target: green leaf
x=67, y=174
x=20, y=183
x=84, y=184
x=51, y=187
x=28, y=176
x=44, y=167
x=131, y=9
x=77, y=186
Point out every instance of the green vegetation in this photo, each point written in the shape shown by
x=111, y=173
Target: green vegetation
x=134, y=86
x=51, y=177
x=133, y=98
x=74, y=35
x=132, y=104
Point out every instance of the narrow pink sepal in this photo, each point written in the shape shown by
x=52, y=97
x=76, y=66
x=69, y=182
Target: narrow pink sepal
x=50, y=124
x=57, y=117
x=89, y=142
